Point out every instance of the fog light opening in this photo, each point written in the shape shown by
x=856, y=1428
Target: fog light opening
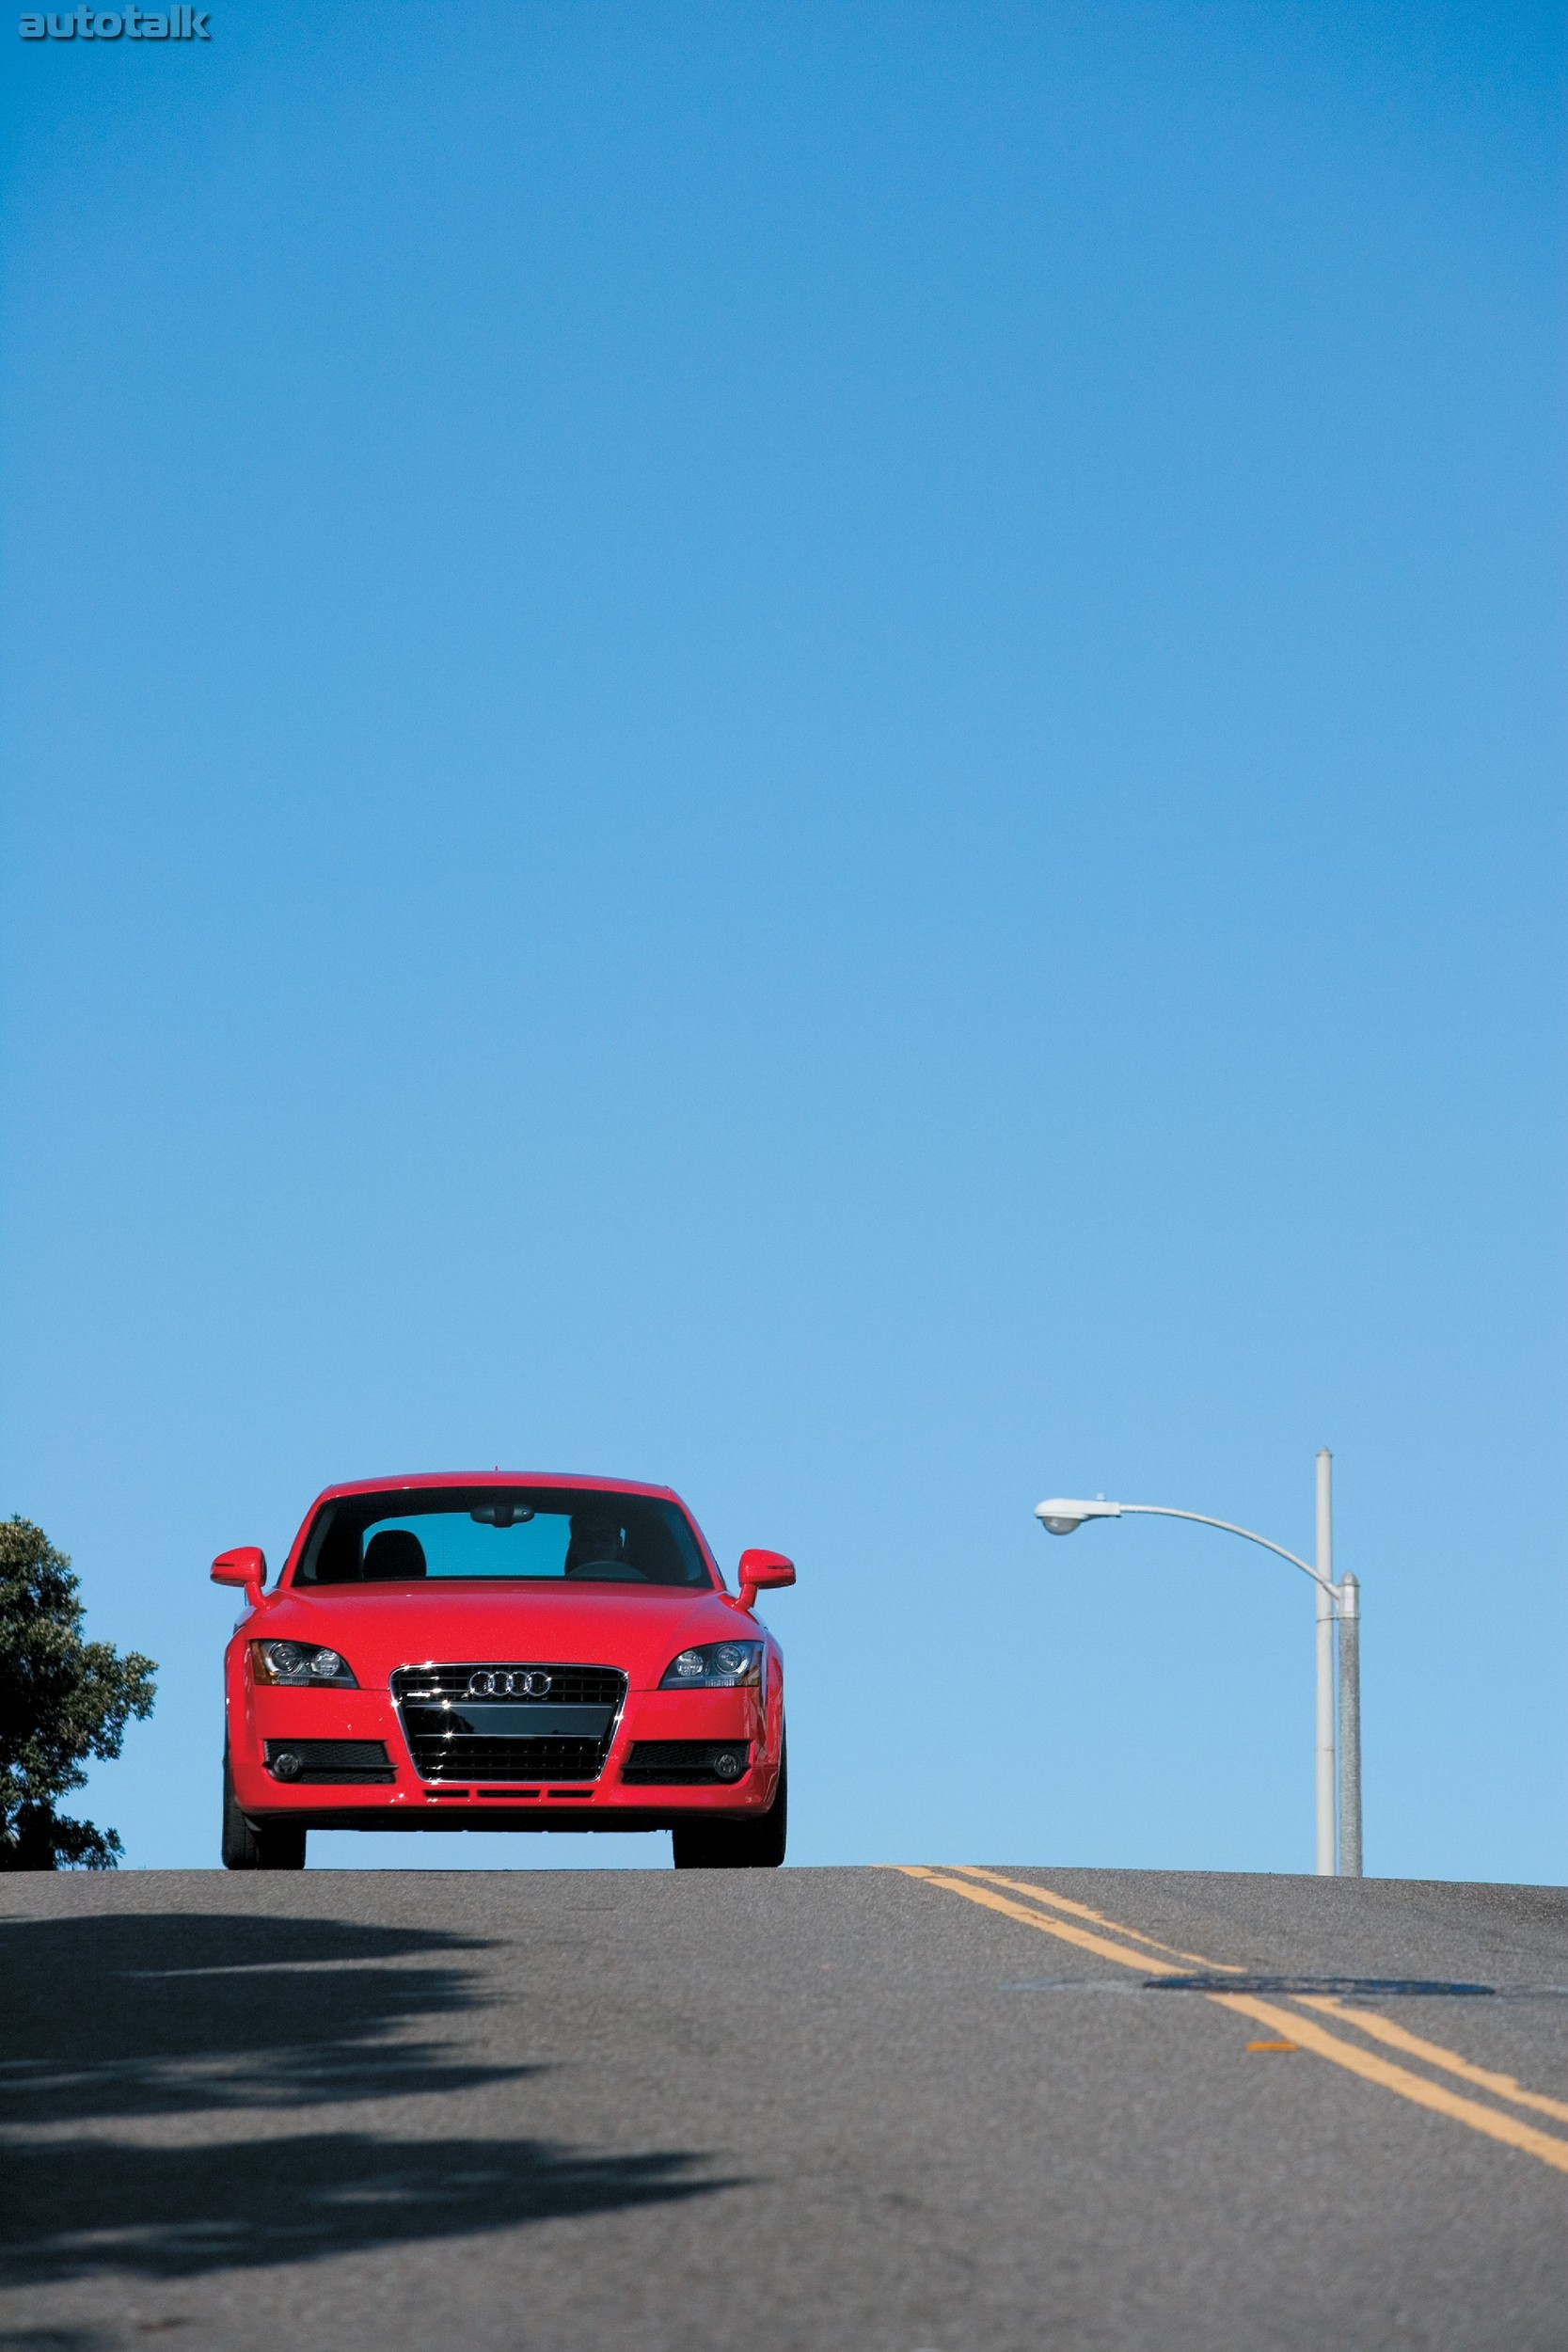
x=728, y=1765
x=287, y=1765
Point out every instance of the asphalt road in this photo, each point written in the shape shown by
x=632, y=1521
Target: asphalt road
x=557, y=2112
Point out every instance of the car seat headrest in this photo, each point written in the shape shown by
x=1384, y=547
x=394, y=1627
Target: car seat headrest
x=395, y=1551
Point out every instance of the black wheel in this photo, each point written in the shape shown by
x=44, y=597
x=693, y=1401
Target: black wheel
x=256, y=1845
x=757, y=1845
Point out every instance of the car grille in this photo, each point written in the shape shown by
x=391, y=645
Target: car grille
x=507, y=1759
x=672, y=1762
x=318, y=1761
x=504, y=1732
x=570, y=1686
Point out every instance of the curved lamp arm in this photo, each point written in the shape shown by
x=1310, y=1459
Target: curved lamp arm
x=1061, y=1516
x=1159, y=1510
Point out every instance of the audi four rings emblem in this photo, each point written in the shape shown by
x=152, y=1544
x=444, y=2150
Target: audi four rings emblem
x=496, y=1682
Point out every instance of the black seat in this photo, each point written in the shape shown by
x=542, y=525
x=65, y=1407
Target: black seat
x=394, y=1552
x=597, y=1541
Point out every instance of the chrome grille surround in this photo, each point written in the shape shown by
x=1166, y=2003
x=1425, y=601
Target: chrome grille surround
x=488, y=1719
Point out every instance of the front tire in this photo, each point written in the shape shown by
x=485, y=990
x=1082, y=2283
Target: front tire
x=254, y=1845
x=757, y=1845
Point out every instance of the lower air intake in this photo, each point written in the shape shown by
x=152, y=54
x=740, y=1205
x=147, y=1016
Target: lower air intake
x=690, y=1763
x=505, y=1760
x=312, y=1762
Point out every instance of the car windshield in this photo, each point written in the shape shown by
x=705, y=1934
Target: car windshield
x=523, y=1533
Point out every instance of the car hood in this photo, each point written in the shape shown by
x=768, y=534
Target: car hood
x=455, y=1623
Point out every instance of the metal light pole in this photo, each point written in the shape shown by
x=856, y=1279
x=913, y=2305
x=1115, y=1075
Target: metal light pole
x=1337, y=1763
x=1324, y=1758
x=1350, y=1727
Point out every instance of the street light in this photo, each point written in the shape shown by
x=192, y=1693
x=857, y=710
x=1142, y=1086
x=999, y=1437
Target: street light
x=1339, y=1767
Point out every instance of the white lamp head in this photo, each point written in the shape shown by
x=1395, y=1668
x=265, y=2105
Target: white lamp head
x=1060, y=1515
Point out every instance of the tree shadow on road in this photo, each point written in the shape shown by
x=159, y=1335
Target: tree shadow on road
x=92, y=2206
x=164, y=2013
x=150, y=2016
x=52, y=2340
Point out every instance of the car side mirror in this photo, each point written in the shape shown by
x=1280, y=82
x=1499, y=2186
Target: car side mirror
x=245, y=1566
x=760, y=1571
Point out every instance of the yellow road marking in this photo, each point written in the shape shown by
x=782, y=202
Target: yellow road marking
x=1400, y=2037
x=1377, y=2027
x=1347, y=2054
x=1081, y=1936
x=1081, y=1911
x=1416, y=2087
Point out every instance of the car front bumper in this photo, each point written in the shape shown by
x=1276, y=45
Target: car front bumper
x=263, y=1721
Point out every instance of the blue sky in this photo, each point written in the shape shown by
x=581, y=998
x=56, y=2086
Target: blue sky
x=814, y=751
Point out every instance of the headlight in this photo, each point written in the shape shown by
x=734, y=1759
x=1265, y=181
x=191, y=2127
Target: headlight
x=715, y=1666
x=301, y=1662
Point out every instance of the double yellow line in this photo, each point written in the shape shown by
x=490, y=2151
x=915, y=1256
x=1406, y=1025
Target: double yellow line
x=1091, y=1932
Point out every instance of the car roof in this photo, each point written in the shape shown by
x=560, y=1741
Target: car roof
x=575, y=1479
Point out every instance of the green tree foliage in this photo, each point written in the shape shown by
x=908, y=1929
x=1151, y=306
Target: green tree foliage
x=61, y=1700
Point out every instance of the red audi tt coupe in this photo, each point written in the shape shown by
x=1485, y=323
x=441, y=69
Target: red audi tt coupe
x=503, y=1652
